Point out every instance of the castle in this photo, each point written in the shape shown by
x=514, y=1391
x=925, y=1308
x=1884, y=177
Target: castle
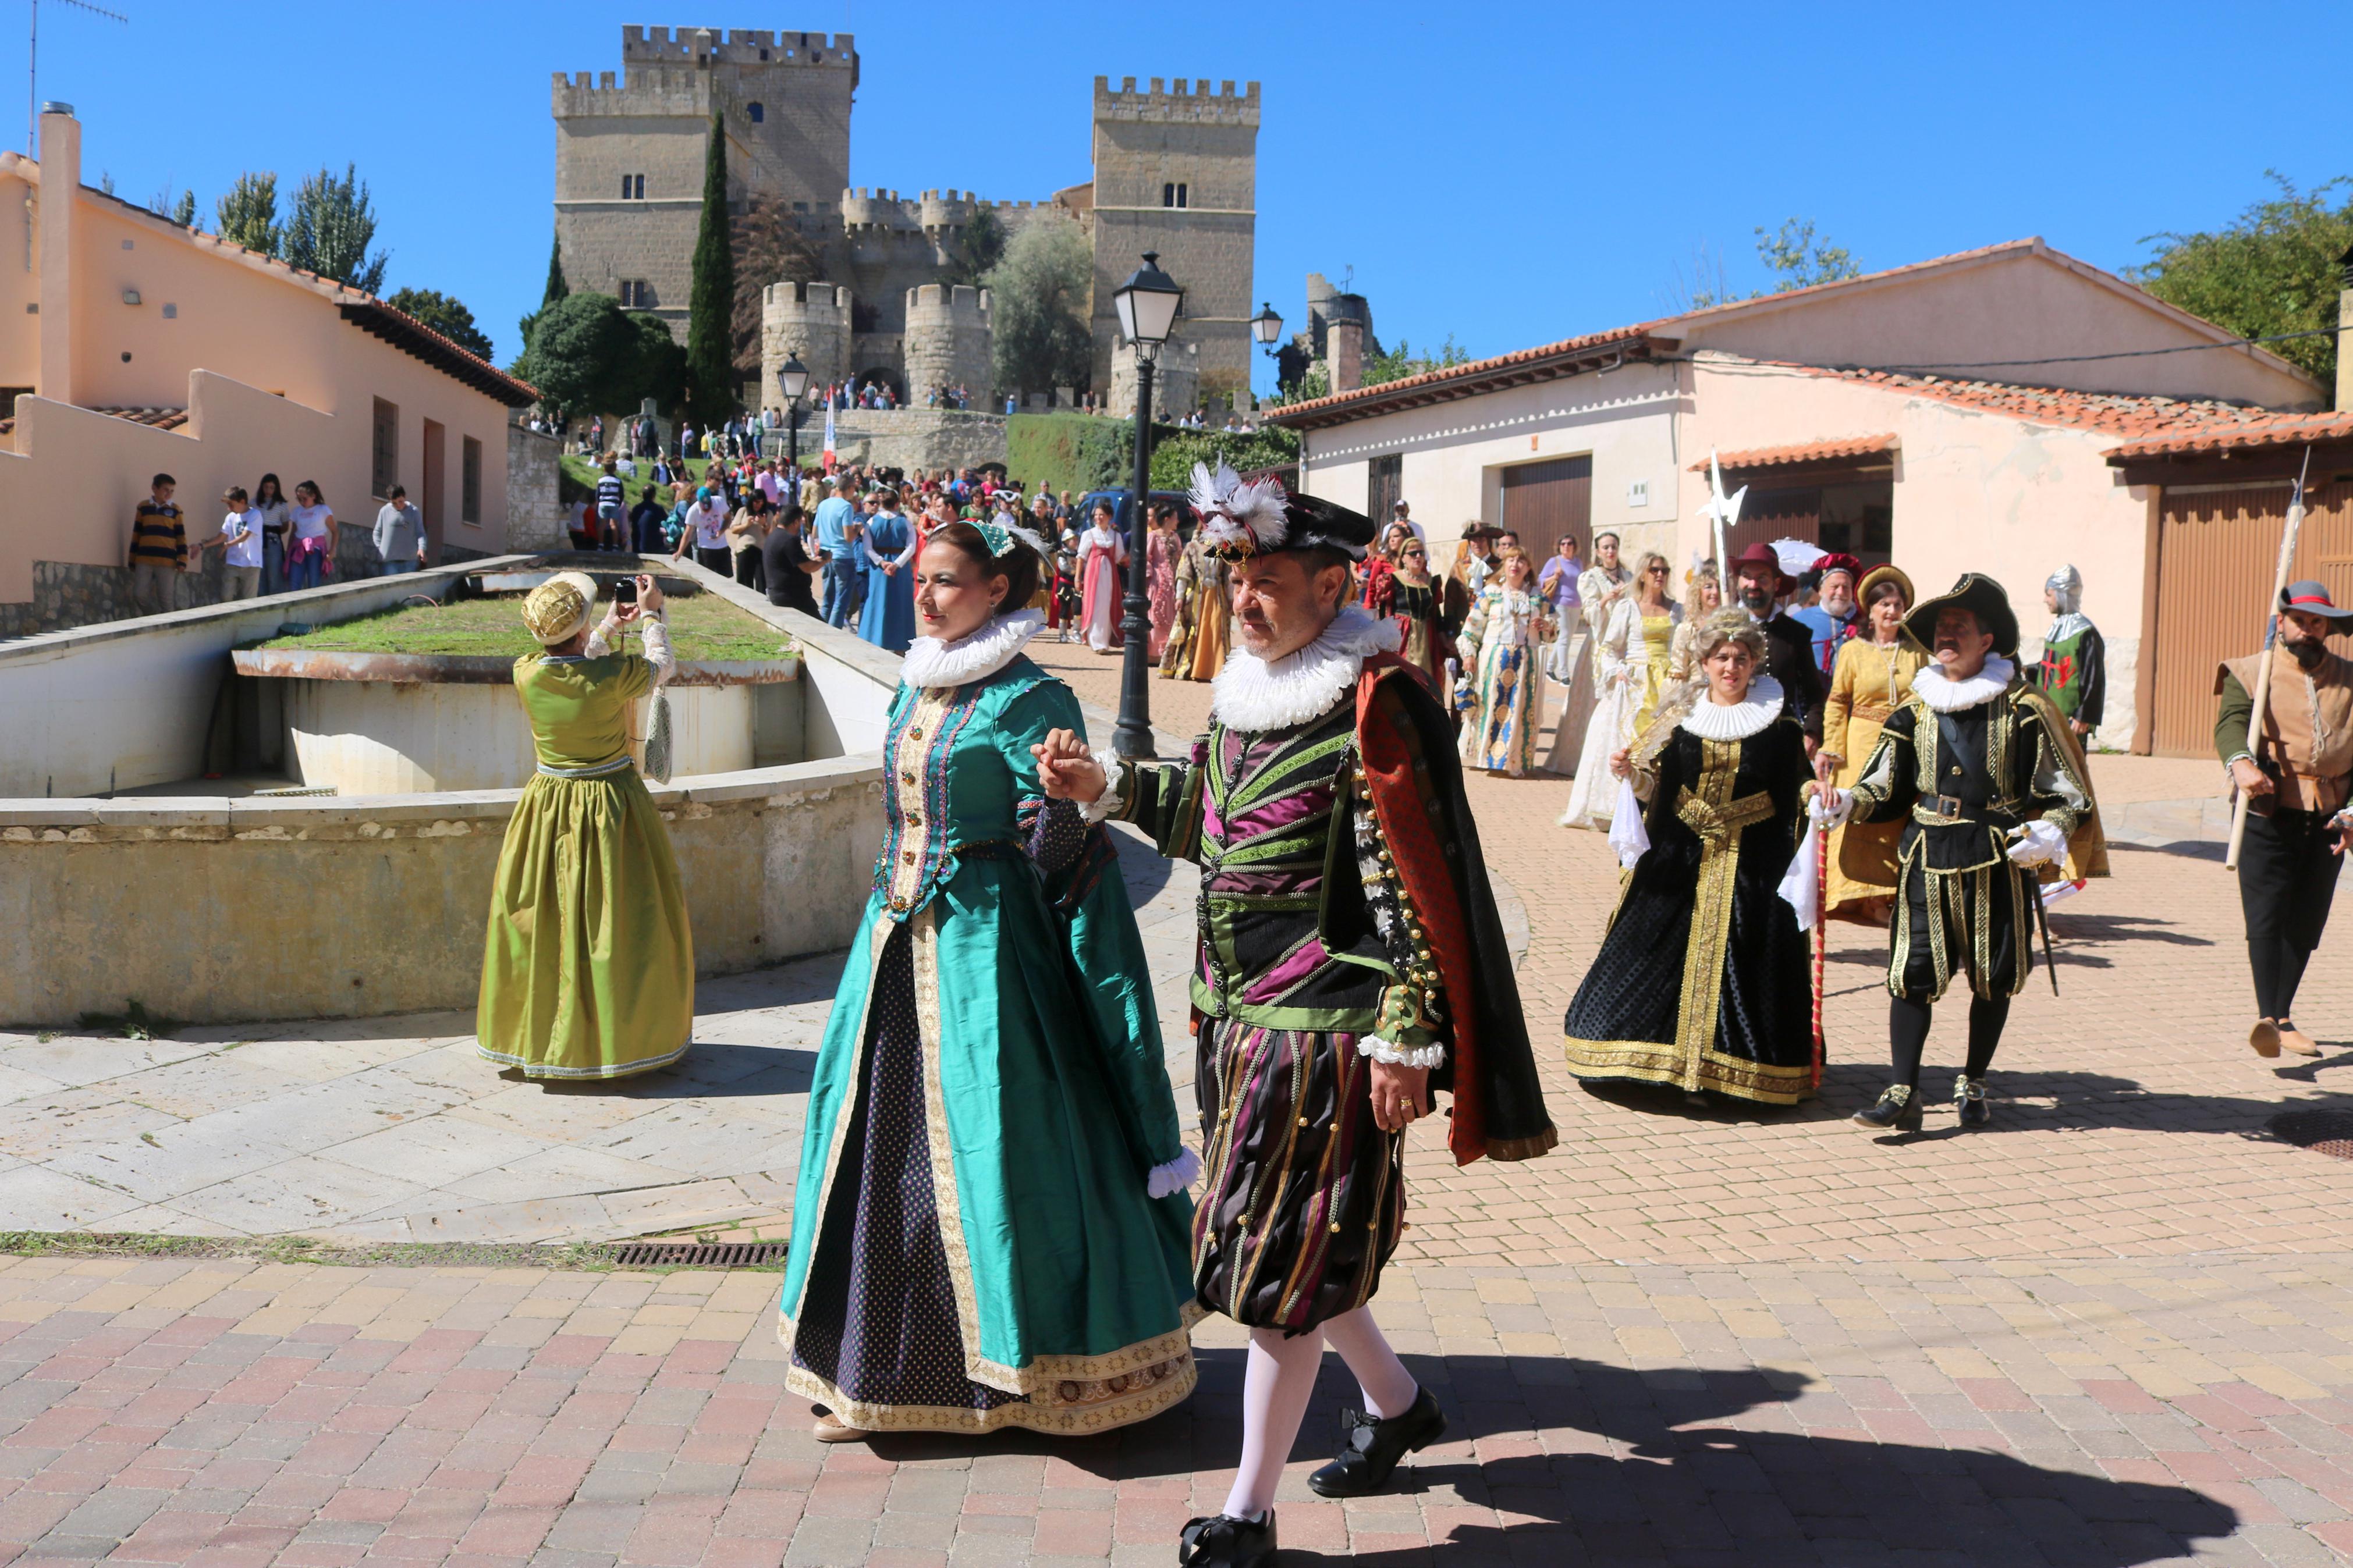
x=1175, y=166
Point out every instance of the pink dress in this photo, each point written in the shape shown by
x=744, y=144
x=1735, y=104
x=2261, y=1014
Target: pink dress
x=1160, y=552
x=1101, y=555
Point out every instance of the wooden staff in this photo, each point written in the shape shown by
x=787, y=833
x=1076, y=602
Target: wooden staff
x=2262, y=691
x=1822, y=942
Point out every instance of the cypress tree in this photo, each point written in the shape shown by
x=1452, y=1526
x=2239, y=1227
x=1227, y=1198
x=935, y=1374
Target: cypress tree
x=710, y=352
x=557, y=286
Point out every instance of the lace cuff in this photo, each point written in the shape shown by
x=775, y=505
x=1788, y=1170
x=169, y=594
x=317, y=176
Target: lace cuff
x=1175, y=1176
x=1107, y=804
x=1433, y=1054
x=656, y=632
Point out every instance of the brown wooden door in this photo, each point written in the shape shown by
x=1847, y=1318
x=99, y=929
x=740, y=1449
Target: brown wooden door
x=2216, y=553
x=1542, y=501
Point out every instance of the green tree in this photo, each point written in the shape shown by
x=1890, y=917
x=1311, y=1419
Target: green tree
x=654, y=366
x=2273, y=270
x=556, y=288
x=1039, y=292
x=1269, y=446
x=981, y=247
x=580, y=356
x=1798, y=260
x=333, y=227
x=248, y=216
x=445, y=315
x=711, y=301
x=1396, y=364
x=179, y=209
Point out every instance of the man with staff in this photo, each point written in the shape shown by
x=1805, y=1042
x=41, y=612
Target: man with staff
x=2293, y=773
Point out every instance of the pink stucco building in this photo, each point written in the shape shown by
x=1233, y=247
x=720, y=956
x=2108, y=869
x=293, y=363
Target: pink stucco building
x=130, y=345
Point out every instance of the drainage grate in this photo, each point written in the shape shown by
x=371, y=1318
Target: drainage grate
x=698, y=1255
x=2327, y=1133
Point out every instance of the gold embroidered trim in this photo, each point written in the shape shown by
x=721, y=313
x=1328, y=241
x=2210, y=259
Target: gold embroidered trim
x=1711, y=922
x=924, y=931
x=1093, y=1406
x=1648, y=1061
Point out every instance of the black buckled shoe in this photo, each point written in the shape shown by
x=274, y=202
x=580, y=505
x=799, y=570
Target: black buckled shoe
x=1898, y=1110
x=1222, y=1541
x=1969, y=1101
x=1370, y=1447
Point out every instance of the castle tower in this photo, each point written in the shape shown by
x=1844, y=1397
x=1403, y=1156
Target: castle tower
x=948, y=341
x=811, y=319
x=1177, y=172
x=630, y=154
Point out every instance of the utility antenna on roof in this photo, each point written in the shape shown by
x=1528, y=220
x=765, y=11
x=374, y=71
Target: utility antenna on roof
x=33, y=67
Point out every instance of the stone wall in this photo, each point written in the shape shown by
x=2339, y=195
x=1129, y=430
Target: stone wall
x=811, y=319
x=69, y=594
x=900, y=438
x=1175, y=381
x=535, y=515
x=948, y=341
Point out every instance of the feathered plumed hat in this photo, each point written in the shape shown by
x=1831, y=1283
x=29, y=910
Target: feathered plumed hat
x=1242, y=518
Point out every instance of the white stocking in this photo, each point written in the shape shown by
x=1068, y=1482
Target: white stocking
x=1388, y=1389
x=1275, y=1389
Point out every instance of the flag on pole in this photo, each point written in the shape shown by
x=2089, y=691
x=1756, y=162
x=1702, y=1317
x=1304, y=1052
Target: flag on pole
x=829, y=436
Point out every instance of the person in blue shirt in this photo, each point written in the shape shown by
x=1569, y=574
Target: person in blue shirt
x=1833, y=616
x=832, y=527
x=888, y=619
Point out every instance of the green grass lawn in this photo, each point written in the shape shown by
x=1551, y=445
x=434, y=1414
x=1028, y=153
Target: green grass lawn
x=702, y=626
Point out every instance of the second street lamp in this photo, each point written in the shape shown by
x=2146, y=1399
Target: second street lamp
x=1148, y=304
x=793, y=379
x=1266, y=327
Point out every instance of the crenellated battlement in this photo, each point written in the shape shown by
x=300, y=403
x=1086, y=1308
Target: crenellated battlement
x=934, y=304
x=1191, y=101
x=737, y=45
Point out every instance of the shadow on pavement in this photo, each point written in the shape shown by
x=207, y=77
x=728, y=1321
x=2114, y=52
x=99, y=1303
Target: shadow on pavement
x=710, y=1070
x=1604, y=1465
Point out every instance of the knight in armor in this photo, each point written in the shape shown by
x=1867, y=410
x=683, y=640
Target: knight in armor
x=2294, y=773
x=1351, y=961
x=1991, y=788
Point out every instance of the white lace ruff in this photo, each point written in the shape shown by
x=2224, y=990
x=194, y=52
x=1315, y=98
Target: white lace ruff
x=1713, y=720
x=931, y=663
x=1253, y=695
x=1949, y=696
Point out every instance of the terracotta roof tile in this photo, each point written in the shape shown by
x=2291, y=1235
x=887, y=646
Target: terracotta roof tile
x=160, y=418
x=2261, y=427
x=1474, y=370
x=2140, y=417
x=1839, y=449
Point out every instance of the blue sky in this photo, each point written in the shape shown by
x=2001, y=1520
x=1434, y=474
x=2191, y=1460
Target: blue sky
x=1506, y=174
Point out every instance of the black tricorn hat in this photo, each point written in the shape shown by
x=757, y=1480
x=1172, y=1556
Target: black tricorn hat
x=1982, y=598
x=1242, y=518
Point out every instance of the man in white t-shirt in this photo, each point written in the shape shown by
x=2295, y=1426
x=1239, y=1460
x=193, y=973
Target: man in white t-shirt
x=706, y=530
x=240, y=543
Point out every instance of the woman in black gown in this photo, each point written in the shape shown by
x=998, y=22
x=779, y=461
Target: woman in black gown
x=1703, y=979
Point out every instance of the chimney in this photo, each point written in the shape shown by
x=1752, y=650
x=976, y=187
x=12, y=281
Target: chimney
x=1347, y=362
x=2344, y=332
x=60, y=201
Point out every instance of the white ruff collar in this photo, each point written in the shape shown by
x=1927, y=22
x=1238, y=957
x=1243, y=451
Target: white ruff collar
x=932, y=663
x=1946, y=695
x=1713, y=720
x=1253, y=695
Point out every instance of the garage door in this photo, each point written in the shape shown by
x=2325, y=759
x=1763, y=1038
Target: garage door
x=2217, y=550
x=1542, y=501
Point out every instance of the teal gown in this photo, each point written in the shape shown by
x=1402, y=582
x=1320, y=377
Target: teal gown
x=973, y=1245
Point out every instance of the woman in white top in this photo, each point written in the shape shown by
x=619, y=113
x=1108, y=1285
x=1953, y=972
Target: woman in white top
x=1631, y=658
x=1598, y=589
x=311, y=553
x=269, y=504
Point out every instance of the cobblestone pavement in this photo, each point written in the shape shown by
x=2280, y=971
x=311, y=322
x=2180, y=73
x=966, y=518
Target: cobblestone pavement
x=2113, y=1329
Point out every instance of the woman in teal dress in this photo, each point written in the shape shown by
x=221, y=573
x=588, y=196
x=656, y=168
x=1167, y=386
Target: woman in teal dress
x=990, y=1229
x=888, y=619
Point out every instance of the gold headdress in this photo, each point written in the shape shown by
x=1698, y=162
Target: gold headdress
x=558, y=609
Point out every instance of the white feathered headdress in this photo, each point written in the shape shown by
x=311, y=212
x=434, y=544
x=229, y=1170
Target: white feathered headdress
x=1238, y=517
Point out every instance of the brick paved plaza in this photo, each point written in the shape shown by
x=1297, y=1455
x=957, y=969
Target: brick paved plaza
x=2111, y=1330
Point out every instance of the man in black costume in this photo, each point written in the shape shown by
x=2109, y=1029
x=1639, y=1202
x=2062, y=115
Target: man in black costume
x=1351, y=960
x=1990, y=786
x=1760, y=585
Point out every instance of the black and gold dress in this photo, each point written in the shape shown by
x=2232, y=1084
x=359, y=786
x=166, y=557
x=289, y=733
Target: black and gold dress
x=1673, y=997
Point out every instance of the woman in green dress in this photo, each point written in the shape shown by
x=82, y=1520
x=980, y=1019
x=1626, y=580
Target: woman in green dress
x=589, y=968
x=990, y=1229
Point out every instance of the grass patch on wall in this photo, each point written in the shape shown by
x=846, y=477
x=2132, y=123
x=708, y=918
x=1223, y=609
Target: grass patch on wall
x=703, y=626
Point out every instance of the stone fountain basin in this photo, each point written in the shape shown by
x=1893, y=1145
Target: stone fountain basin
x=403, y=723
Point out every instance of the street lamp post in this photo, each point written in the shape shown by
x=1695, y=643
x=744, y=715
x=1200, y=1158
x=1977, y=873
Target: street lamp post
x=1266, y=327
x=1147, y=303
x=793, y=377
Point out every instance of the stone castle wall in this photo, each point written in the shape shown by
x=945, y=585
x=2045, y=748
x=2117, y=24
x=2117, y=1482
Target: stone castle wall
x=811, y=319
x=948, y=340
x=899, y=438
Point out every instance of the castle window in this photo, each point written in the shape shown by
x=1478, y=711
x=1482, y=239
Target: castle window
x=1173, y=195
x=633, y=187
x=637, y=294
x=758, y=111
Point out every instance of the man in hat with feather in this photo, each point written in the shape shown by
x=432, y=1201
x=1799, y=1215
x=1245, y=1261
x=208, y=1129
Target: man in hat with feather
x=2296, y=774
x=1351, y=961
x=1988, y=779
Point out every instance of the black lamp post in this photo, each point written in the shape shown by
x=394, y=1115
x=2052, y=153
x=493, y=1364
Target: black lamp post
x=793, y=377
x=1266, y=327
x=1147, y=302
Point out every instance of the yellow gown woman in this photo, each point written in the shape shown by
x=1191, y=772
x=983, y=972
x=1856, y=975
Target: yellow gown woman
x=589, y=965
x=1872, y=679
